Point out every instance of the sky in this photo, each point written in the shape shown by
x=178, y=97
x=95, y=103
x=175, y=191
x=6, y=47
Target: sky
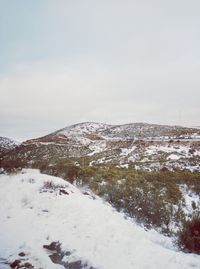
x=112, y=61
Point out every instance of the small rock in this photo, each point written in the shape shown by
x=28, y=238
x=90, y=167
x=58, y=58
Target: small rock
x=61, y=191
x=53, y=246
x=15, y=264
x=57, y=258
x=22, y=254
x=26, y=265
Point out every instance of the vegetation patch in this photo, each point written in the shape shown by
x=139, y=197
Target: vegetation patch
x=153, y=199
x=189, y=236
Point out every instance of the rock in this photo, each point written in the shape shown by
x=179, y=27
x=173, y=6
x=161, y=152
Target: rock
x=22, y=254
x=15, y=264
x=54, y=246
x=57, y=258
x=63, y=258
x=26, y=265
x=62, y=191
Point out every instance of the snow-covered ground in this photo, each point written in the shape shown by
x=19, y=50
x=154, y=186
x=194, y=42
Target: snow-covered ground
x=97, y=147
x=83, y=129
x=126, y=151
x=7, y=143
x=37, y=209
x=192, y=200
x=168, y=149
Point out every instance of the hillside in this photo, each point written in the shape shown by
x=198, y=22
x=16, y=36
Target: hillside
x=125, y=131
x=7, y=144
x=141, y=146
x=49, y=223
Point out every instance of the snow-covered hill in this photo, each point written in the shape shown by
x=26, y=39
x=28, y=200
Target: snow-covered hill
x=7, y=144
x=84, y=129
x=48, y=223
x=97, y=131
x=139, y=145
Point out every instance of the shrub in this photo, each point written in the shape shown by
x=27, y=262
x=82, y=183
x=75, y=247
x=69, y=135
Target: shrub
x=189, y=237
x=50, y=185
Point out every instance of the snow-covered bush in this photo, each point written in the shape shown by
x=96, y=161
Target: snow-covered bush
x=50, y=185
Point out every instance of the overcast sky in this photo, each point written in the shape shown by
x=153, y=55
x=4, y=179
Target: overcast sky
x=113, y=61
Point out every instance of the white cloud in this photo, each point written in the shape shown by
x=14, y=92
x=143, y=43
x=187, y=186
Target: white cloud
x=113, y=61
x=62, y=96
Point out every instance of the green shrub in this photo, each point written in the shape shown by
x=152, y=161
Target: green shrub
x=189, y=236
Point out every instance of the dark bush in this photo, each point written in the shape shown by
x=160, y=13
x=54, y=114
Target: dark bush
x=189, y=237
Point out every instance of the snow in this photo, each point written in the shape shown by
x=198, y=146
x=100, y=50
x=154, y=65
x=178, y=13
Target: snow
x=83, y=128
x=102, y=160
x=127, y=151
x=7, y=143
x=44, y=143
x=197, y=153
x=125, y=165
x=97, y=147
x=176, y=152
x=190, y=198
x=32, y=214
x=82, y=140
x=173, y=157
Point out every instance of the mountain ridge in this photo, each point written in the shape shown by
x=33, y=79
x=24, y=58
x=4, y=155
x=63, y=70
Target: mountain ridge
x=128, y=130
x=139, y=145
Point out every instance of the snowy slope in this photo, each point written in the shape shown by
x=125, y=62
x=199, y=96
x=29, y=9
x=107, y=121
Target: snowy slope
x=97, y=149
x=36, y=210
x=7, y=143
x=127, y=131
x=83, y=128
